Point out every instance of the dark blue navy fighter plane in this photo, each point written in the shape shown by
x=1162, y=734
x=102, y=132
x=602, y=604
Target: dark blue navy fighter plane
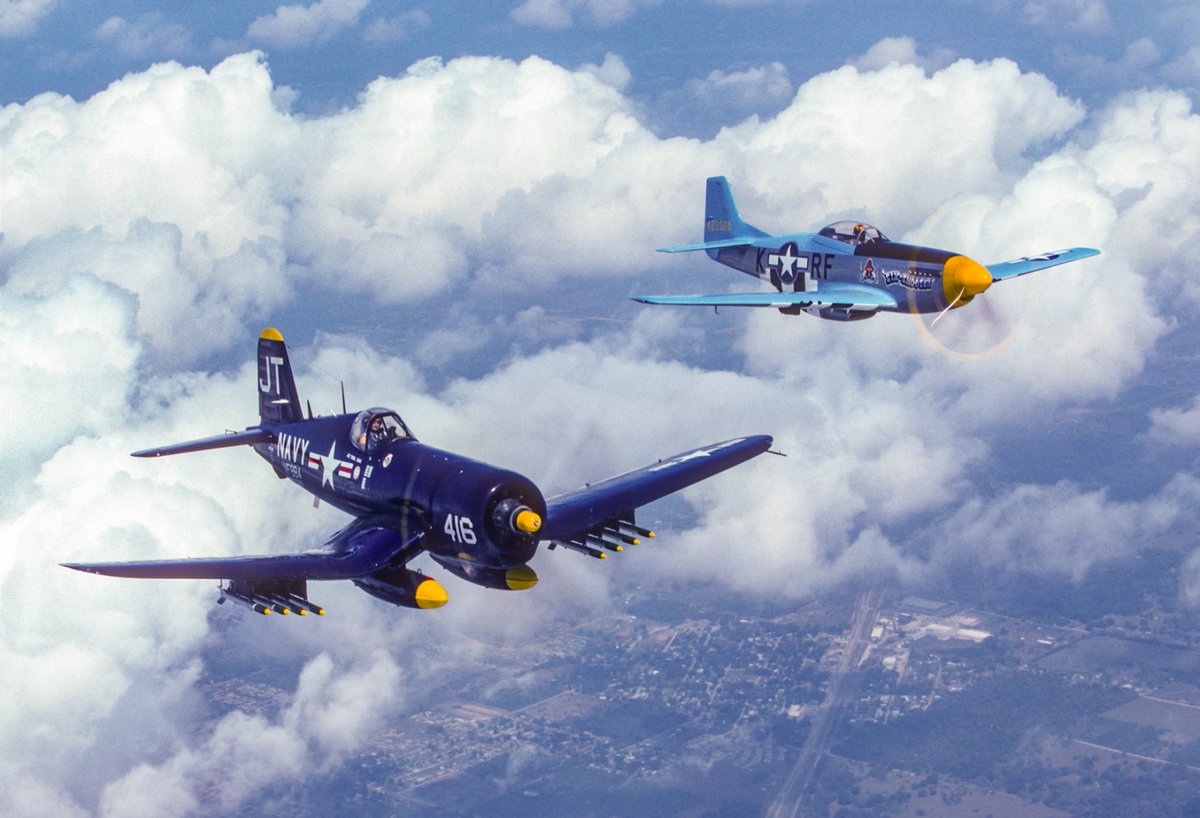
x=479, y=522
x=847, y=271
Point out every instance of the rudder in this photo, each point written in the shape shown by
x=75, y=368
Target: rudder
x=278, y=401
x=721, y=218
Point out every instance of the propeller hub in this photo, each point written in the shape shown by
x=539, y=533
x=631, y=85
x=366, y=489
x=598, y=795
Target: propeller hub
x=527, y=521
x=963, y=279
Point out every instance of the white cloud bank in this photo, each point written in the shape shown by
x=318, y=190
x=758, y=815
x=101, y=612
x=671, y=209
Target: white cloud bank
x=168, y=218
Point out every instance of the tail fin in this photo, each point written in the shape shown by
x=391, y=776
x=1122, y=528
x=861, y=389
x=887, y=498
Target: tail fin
x=721, y=219
x=278, y=401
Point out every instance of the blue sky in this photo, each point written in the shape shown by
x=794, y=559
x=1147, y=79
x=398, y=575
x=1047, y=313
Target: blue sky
x=329, y=51
x=447, y=207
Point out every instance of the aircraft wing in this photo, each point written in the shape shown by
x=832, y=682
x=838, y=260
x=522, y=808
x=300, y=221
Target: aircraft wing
x=828, y=294
x=1030, y=264
x=572, y=514
x=358, y=550
x=246, y=438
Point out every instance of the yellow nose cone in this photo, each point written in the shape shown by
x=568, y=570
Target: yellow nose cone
x=430, y=594
x=528, y=521
x=520, y=578
x=963, y=279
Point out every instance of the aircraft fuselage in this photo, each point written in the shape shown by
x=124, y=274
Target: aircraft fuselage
x=464, y=505
x=800, y=262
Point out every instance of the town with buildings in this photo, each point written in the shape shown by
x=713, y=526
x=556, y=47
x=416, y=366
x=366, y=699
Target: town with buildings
x=851, y=706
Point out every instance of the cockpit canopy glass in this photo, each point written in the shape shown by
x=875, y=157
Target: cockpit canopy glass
x=373, y=429
x=854, y=233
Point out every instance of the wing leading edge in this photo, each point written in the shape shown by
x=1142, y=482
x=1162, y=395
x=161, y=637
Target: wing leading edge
x=576, y=511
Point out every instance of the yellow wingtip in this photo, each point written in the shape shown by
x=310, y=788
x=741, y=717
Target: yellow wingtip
x=271, y=334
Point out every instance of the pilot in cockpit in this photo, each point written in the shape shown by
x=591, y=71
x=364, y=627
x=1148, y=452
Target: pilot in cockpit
x=379, y=432
x=376, y=429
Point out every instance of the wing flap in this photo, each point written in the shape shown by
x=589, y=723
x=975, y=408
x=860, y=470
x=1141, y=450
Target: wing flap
x=1030, y=264
x=830, y=294
x=355, y=551
x=570, y=515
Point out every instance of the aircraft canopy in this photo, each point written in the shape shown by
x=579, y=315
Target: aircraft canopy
x=375, y=428
x=853, y=233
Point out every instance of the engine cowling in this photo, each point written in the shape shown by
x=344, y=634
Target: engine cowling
x=476, y=512
x=472, y=512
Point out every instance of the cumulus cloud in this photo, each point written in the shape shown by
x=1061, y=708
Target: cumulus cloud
x=901, y=51
x=1184, y=70
x=147, y=36
x=463, y=210
x=1059, y=529
x=1136, y=67
x=1176, y=427
x=1089, y=16
x=748, y=88
x=300, y=26
x=435, y=177
x=20, y=18
x=76, y=385
x=332, y=708
x=394, y=29
x=561, y=14
x=613, y=71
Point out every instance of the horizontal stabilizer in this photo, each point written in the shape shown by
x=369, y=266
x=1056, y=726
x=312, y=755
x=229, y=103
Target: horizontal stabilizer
x=355, y=551
x=829, y=294
x=741, y=241
x=570, y=515
x=1030, y=264
x=246, y=438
